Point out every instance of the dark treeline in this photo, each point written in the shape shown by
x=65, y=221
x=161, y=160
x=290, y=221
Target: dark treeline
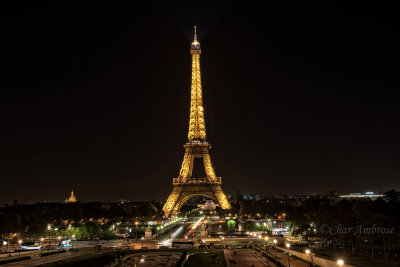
x=27, y=218
x=350, y=226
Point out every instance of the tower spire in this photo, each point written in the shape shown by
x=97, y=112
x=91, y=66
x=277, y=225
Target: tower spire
x=197, y=127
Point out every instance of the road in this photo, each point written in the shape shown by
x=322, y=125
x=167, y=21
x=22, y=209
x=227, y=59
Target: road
x=37, y=260
x=245, y=258
x=285, y=260
x=147, y=259
x=22, y=253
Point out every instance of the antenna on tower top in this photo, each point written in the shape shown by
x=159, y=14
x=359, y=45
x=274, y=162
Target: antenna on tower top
x=195, y=46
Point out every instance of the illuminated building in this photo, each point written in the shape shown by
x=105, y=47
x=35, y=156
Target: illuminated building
x=186, y=186
x=71, y=199
x=370, y=195
x=250, y=197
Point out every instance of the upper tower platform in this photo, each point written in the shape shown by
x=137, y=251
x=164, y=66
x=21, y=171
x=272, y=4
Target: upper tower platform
x=197, y=127
x=195, y=47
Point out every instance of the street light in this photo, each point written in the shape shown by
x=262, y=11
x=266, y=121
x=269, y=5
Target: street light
x=288, y=253
x=276, y=256
x=142, y=241
x=340, y=262
x=308, y=257
x=266, y=246
x=20, y=242
x=275, y=241
x=73, y=237
x=58, y=244
x=136, y=223
x=48, y=231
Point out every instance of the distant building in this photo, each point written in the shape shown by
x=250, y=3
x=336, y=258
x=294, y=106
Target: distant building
x=209, y=205
x=249, y=197
x=278, y=227
x=71, y=199
x=370, y=195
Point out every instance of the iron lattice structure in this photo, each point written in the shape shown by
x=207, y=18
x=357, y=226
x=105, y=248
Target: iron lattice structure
x=186, y=186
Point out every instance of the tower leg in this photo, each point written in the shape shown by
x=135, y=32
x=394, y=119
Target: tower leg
x=221, y=197
x=171, y=201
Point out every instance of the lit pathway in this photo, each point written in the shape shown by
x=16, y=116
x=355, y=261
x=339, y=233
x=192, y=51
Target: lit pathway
x=22, y=253
x=245, y=258
x=37, y=260
x=298, y=263
x=283, y=258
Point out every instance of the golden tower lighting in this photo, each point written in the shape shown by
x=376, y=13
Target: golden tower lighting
x=71, y=198
x=186, y=186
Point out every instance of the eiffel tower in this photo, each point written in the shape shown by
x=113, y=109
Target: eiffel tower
x=186, y=186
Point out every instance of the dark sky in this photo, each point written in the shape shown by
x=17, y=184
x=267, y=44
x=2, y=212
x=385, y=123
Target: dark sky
x=299, y=98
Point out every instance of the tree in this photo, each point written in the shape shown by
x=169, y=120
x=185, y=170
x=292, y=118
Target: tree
x=108, y=234
x=88, y=231
x=231, y=226
x=36, y=230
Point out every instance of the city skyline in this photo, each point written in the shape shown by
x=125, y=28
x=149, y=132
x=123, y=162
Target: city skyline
x=100, y=106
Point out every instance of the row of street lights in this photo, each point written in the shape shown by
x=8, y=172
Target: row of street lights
x=5, y=243
x=340, y=262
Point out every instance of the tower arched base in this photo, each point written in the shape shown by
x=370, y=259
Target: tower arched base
x=183, y=192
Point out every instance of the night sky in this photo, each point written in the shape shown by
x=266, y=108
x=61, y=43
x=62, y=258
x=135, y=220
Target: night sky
x=299, y=98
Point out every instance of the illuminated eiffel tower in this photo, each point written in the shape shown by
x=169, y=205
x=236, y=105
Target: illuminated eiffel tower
x=186, y=186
